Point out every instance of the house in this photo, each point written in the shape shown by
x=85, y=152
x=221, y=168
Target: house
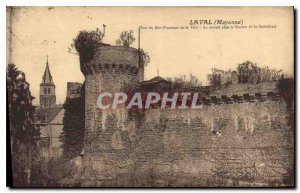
x=155, y=84
x=50, y=122
x=74, y=90
x=49, y=117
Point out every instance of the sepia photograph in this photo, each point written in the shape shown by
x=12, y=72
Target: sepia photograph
x=150, y=97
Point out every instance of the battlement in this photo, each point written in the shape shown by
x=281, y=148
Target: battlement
x=112, y=60
x=234, y=125
x=247, y=97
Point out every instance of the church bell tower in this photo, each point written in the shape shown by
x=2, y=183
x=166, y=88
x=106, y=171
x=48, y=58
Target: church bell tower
x=47, y=89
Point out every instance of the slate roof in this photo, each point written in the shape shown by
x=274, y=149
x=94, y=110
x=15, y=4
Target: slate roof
x=156, y=79
x=47, y=77
x=47, y=115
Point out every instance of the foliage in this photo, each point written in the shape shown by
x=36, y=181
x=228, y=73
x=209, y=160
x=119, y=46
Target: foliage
x=286, y=89
x=215, y=78
x=144, y=58
x=86, y=43
x=73, y=131
x=183, y=82
x=126, y=38
x=246, y=69
x=248, y=72
x=267, y=74
x=130, y=88
x=23, y=135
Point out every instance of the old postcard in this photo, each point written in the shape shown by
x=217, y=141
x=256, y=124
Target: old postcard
x=151, y=96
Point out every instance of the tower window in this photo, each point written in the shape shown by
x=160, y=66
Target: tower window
x=45, y=91
x=48, y=90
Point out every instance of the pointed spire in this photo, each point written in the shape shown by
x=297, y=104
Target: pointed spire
x=47, y=78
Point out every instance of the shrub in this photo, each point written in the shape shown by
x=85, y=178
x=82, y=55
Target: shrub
x=86, y=44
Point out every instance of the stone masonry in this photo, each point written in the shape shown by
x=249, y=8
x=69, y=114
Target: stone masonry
x=238, y=144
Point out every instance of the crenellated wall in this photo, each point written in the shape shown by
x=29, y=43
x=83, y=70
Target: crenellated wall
x=237, y=143
x=114, y=60
x=233, y=143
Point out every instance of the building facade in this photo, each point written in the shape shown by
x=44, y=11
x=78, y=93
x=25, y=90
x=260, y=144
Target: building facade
x=49, y=117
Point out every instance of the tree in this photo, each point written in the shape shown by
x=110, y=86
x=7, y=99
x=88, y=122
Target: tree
x=182, y=82
x=23, y=134
x=126, y=38
x=215, y=78
x=245, y=70
x=73, y=131
x=193, y=81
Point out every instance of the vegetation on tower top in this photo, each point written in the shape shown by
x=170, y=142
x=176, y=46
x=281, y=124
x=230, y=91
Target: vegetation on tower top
x=87, y=42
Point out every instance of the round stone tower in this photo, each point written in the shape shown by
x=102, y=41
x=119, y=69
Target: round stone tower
x=107, y=135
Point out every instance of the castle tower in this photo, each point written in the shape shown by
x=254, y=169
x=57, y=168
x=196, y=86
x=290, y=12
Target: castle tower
x=111, y=69
x=47, y=89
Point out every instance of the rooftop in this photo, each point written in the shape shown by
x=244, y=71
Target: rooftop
x=47, y=115
x=156, y=79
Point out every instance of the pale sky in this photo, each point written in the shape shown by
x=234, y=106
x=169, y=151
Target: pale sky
x=39, y=31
